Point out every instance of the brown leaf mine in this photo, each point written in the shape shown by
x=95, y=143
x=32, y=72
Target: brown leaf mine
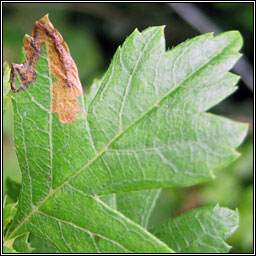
x=62, y=67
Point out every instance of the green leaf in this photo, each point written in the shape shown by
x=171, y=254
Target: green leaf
x=6, y=85
x=130, y=115
x=8, y=214
x=142, y=126
x=41, y=246
x=18, y=244
x=136, y=205
x=7, y=249
x=202, y=230
x=21, y=244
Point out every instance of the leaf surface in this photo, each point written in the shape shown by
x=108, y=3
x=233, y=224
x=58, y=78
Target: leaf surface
x=202, y=230
x=7, y=249
x=41, y=246
x=142, y=126
x=22, y=244
x=136, y=205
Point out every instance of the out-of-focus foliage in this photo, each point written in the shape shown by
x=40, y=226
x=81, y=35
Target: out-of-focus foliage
x=93, y=31
x=11, y=170
x=245, y=17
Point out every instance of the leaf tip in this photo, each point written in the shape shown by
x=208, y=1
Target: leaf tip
x=244, y=128
x=236, y=222
x=237, y=213
x=135, y=31
x=161, y=27
x=234, y=38
x=237, y=35
x=45, y=17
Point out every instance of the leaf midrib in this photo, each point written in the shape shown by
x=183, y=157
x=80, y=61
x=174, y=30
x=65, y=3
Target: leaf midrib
x=53, y=191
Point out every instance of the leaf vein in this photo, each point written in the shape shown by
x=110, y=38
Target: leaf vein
x=131, y=76
x=83, y=229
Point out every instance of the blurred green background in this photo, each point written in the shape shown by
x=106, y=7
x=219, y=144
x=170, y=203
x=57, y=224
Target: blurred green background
x=93, y=31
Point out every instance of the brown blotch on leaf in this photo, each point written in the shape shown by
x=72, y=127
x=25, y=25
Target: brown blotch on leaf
x=62, y=67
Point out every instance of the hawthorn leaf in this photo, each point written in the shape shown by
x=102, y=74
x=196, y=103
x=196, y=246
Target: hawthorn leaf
x=142, y=126
x=91, y=224
x=203, y=230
